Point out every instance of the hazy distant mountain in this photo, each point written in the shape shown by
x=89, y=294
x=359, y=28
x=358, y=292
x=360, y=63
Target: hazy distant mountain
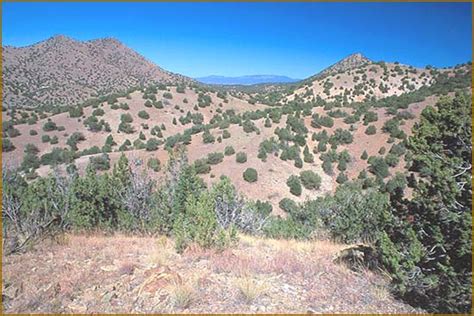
x=246, y=80
x=61, y=70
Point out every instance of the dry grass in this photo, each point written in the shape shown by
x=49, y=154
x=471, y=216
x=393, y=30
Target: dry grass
x=162, y=253
x=115, y=274
x=127, y=268
x=182, y=294
x=250, y=289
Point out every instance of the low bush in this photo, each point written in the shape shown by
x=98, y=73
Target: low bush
x=250, y=175
x=241, y=157
x=310, y=180
x=154, y=164
x=143, y=115
x=215, y=158
x=201, y=166
x=229, y=151
x=294, y=184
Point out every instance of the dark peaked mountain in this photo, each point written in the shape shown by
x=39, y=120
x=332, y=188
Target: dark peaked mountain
x=64, y=71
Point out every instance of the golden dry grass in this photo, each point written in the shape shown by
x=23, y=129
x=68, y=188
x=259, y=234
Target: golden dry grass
x=115, y=274
x=250, y=288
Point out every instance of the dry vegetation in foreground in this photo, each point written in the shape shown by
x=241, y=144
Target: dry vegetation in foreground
x=111, y=274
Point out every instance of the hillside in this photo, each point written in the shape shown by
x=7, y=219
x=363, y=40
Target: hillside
x=337, y=162
x=347, y=63
x=112, y=274
x=168, y=114
x=64, y=71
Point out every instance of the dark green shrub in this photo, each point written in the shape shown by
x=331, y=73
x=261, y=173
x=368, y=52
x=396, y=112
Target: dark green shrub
x=98, y=112
x=152, y=144
x=294, y=184
x=54, y=140
x=126, y=118
x=286, y=228
x=391, y=160
x=327, y=167
x=434, y=237
x=74, y=139
x=310, y=180
x=229, y=151
x=250, y=175
x=215, y=158
x=298, y=163
x=49, y=126
x=7, y=145
x=378, y=167
x=371, y=130
x=154, y=164
x=288, y=205
x=101, y=162
x=370, y=117
x=341, y=178
x=249, y=126
x=57, y=156
x=126, y=128
x=201, y=166
x=143, y=115
x=342, y=165
x=45, y=138
x=76, y=112
x=307, y=156
x=241, y=157
x=208, y=138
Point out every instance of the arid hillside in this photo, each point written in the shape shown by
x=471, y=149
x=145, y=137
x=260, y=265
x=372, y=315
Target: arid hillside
x=327, y=137
x=131, y=189
x=112, y=274
x=64, y=71
x=366, y=82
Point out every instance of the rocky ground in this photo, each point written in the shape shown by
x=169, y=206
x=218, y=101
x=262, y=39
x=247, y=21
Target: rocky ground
x=112, y=274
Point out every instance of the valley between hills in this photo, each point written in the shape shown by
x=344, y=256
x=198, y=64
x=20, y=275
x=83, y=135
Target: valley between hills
x=297, y=155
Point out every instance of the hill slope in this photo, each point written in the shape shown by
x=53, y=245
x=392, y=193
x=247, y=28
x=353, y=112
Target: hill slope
x=320, y=117
x=347, y=63
x=63, y=71
x=141, y=275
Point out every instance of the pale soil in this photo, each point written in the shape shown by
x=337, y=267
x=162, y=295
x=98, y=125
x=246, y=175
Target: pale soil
x=120, y=274
x=273, y=174
x=345, y=81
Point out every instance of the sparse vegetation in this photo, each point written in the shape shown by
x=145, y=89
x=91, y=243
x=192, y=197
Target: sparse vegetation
x=408, y=204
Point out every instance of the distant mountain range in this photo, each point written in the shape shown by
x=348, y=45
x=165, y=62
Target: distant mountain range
x=246, y=80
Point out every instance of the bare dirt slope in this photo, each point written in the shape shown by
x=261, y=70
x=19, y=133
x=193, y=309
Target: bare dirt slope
x=119, y=274
x=273, y=173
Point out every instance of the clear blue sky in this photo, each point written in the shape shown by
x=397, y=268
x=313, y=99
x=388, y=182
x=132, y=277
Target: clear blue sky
x=293, y=39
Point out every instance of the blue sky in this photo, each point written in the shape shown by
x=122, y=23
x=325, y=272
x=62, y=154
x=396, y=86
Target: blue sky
x=293, y=39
